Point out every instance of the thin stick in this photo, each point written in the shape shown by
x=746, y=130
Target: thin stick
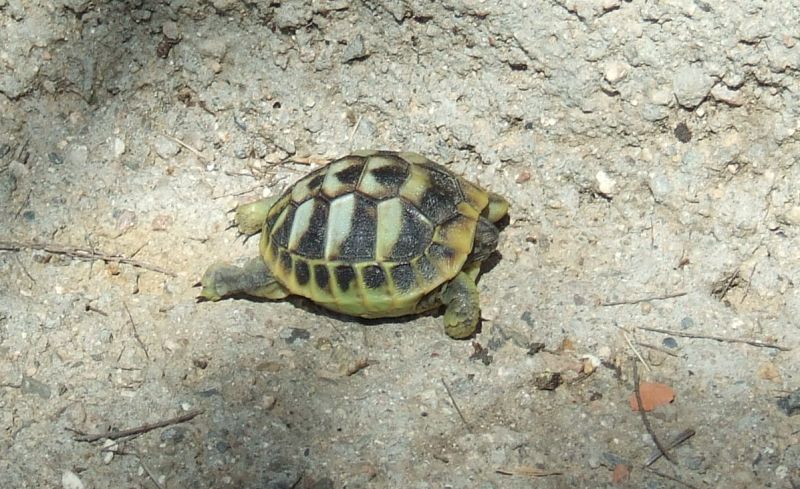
x=677, y=440
x=148, y=471
x=630, y=343
x=646, y=421
x=353, y=132
x=658, y=348
x=196, y=152
x=758, y=343
x=645, y=299
x=674, y=479
x=80, y=254
x=452, y=399
x=114, y=435
x=136, y=333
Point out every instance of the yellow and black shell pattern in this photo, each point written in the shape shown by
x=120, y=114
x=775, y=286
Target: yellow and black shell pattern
x=372, y=233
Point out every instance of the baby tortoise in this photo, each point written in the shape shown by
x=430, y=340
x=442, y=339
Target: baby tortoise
x=373, y=234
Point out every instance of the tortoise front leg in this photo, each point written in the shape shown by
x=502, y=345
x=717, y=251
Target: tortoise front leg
x=462, y=302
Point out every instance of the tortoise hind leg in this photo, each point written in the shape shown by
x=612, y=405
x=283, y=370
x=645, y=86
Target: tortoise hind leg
x=462, y=302
x=255, y=279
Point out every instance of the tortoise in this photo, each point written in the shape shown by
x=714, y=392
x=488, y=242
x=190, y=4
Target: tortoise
x=374, y=234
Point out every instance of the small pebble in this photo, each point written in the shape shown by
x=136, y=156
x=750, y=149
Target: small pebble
x=55, y=158
x=70, y=480
x=615, y=71
x=119, y=147
x=170, y=30
x=791, y=217
x=669, y=342
x=605, y=184
x=691, y=86
x=165, y=148
x=687, y=323
x=355, y=49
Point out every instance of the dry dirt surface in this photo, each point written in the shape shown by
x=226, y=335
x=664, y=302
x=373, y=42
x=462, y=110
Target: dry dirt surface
x=650, y=153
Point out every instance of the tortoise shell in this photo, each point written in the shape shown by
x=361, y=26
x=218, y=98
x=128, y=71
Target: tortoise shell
x=373, y=233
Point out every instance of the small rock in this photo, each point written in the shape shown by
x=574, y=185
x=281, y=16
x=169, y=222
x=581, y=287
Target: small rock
x=109, y=448
x=213, y=48
x=126, y=219
x=161, y=222
x=547, y=381
x=170, y=30
x=70, y=480
x=605, y=184
x=791, y=403
x=8, y=184
x=173, y=435
x=660, y=187
x=165, y=148
x=687, y=323
x=523, y=176
x=223, y=6
x=355, y=50
x=55, y=158
x=791, y=217
x=119, y=147
x=77, y=156
x=291, y=335
x=724, y=94
x=33, y=386
x=669, y=342
x=691, y=86
x=615, y=71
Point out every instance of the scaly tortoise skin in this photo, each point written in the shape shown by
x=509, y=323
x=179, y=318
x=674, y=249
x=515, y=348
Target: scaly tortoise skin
x=373, y=234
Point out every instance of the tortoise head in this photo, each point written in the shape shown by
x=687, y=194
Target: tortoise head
x=486, y=232
x=496, y=209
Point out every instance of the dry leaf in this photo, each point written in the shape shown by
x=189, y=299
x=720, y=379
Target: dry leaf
x=653, y=395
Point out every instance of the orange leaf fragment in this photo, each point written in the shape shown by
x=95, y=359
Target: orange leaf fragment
x=621, y=473
x=653, y=395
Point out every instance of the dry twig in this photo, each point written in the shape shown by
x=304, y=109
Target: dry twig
x=645, y=420
x=527, y=471
x=136, y=333
x=669, y=477
x=758, y=343
x=455, y=405
x=677, y=440
x=645, y=299
x=80, y=254
x=114, y=435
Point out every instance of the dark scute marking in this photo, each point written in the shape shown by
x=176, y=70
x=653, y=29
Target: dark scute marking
x=312, y=242
x=403, y=277
x=351, y=174
x=281, y=235
x=391, y=177
x=344, y=276
x=374, y=276
x=415, y=234
x=438, y=251
x=271, y=219
x=322, y=276
x=359, y=245
x=315, y=183
x=302, y=272
x=274, y=249
x=426, y=268
x=286, y=261
x=440, y=199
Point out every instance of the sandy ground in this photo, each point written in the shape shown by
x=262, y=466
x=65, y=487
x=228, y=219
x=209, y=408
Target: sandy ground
x=649, y=150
